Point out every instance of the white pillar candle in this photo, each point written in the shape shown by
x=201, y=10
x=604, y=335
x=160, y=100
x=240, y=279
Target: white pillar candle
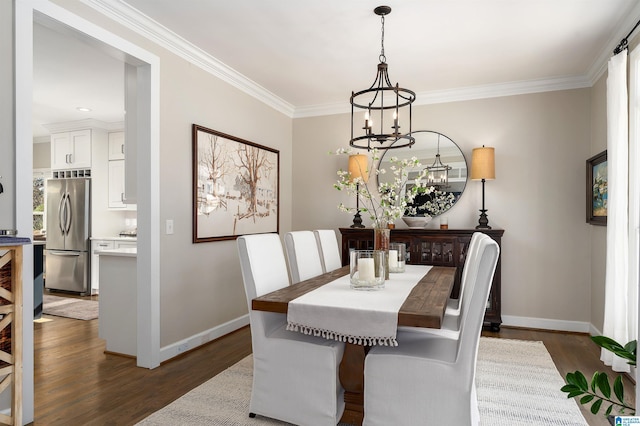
x=366, y=269
x=393, y=259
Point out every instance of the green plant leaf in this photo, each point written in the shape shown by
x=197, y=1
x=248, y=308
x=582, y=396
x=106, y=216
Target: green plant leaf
x=578, y=379
x=594, y=382
x=627, y=351
x=575, y=393
x=607, y=343
x=595, y=407
x=631, y=348
x=618, y=388
x=603, y=384
x=587, y=398
x=609, y=410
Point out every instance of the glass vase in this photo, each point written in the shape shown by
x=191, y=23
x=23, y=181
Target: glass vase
x=381, y=241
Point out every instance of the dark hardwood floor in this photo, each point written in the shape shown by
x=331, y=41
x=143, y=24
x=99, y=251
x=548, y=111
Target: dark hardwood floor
x=77, y=384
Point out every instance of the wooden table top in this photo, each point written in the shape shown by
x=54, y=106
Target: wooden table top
x=424, y=307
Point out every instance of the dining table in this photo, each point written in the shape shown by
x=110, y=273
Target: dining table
x=424, y=306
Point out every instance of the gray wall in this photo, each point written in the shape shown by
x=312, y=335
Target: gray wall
x=42, y=155
x=538, y=198
x=598, y=237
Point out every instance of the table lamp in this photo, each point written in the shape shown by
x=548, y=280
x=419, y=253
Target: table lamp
x=358, y=168
x=483, y=168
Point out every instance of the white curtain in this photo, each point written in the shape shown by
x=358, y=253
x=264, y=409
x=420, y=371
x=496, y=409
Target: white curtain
x=620, y=321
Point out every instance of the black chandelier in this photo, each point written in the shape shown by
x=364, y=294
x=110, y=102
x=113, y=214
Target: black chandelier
x=380, y=97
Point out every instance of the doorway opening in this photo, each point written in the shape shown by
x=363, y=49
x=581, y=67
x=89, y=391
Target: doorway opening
x=146, y=132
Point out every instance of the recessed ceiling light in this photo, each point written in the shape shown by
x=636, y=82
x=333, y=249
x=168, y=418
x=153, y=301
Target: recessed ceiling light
x=84, y=109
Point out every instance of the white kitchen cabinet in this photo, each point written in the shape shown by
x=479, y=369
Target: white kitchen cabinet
x=118, y=244
x=116, y=146
x=97, y=245
x=116, y=184
x=105, y=244
x=71, y=150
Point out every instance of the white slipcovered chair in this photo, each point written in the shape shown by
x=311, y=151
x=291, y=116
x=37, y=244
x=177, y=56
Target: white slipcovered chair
x=303, y=255
x=427, y=379
x=295, y=376
x=329, y=249
x=454, y=305
x=450, y=327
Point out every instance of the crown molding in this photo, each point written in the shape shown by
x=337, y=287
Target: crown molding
x=134, y=20
x=41, y=139
x=464, y=94
x=600, y=64
x=87, y=123
x=502, y=89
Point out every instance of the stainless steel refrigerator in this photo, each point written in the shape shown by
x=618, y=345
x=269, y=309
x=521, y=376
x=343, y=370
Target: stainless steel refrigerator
x=68, y=230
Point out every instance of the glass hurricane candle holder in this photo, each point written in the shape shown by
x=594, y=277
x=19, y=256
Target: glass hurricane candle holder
x=367, y=269
x=397, y=257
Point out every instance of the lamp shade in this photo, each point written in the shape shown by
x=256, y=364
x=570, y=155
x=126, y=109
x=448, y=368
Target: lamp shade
x=483, y=165
x=359, y=167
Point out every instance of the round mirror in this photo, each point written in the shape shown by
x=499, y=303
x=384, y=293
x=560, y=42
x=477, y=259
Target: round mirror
x=428, y=145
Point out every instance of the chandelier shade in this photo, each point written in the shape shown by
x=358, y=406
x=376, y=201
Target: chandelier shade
x=377, y=112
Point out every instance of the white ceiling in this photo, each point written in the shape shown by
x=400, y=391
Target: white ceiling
x=69, y=73
x=309, y=55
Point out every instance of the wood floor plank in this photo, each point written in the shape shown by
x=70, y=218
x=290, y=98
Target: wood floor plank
x=76, y=383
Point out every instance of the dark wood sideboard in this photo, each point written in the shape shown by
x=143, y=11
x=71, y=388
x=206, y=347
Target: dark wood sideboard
x=438, y=247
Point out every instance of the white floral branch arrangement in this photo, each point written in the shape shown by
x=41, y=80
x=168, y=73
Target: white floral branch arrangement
x=439, y=202
x=391, y=200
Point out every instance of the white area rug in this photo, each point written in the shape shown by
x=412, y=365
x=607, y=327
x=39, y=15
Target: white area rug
x=70, y=307
x=517, y=382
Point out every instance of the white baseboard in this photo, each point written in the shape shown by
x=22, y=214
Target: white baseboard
x=199, y=339
x=548, y=324
x=594, y=331
x=177, y=348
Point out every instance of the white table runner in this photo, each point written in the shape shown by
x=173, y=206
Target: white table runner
x=335, y=311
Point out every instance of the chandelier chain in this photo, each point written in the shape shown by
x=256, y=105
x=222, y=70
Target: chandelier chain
x=382, y=58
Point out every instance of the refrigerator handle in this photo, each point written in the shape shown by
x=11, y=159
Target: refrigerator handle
x=68, y=214
x=61, y=219
x=64, y=253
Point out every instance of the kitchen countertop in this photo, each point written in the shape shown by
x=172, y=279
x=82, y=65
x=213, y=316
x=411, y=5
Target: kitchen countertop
x=118, y=238
x=14, y=241
x=122, y=252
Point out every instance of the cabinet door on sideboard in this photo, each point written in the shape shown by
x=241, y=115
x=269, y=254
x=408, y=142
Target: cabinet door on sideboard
x=439, y=247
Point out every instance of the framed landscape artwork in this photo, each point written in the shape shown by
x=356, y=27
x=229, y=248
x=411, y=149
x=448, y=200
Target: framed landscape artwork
x=235, y=186
x=597, y=189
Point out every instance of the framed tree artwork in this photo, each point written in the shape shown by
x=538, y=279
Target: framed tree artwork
x=235, y=186
x=597, y=189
